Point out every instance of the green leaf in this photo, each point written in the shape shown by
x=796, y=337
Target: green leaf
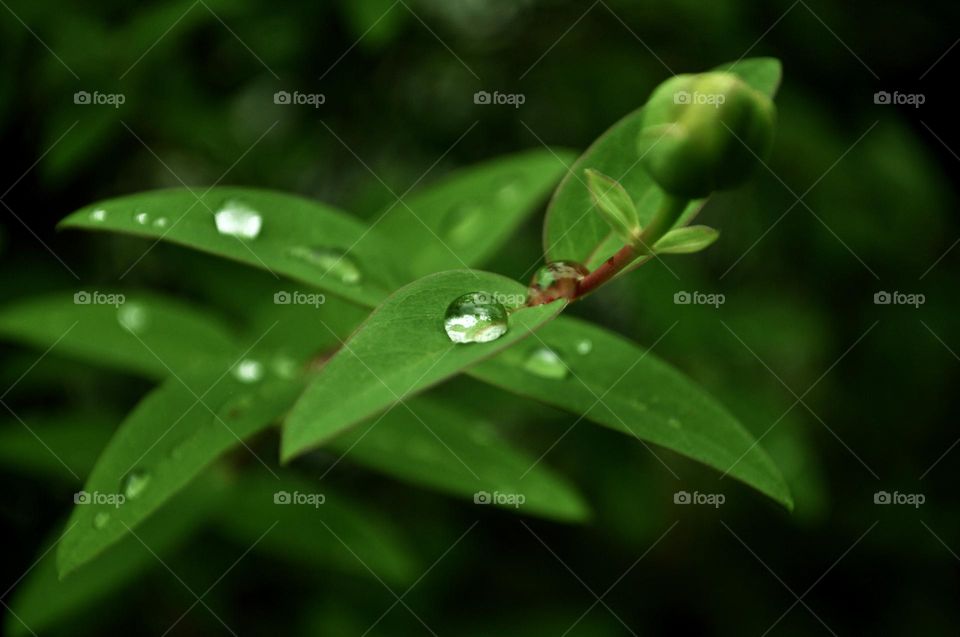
x=686, y=240
x=621, y=386
x=314, y=528
x=614, y=205
x=281, y=233
x=763, y=74
x=464, y=219
x=167, y=440
x=437, y=444
x=43, y=600
x=401, y=349
x=572, y=231
x=144, y=333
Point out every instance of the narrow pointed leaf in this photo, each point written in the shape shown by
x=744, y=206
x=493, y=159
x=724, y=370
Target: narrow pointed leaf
x=437, y=445
x=686, y=240
x=172, y=435
x=400, y=350
x=139, y=332
x=614, y=205
x=281, y=233
x=462, y=220
x=618, y=384
x=573, y=231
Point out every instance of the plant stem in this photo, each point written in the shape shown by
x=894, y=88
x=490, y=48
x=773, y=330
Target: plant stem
x=606, y=271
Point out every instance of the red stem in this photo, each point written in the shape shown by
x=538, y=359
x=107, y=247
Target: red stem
x=607, y=270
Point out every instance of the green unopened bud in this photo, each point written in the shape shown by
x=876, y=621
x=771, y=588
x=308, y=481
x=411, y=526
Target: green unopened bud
x=704, y=132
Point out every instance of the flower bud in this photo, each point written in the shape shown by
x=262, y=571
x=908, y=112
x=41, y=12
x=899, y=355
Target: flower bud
x=704, y=132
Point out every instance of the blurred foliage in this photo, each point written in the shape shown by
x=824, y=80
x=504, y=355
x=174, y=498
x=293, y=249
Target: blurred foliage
x=877, y=213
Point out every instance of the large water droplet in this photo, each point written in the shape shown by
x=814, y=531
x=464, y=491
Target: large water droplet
x=98, y=215
x=100, y=519
x=475, y=318
x=584, y=346
x=545, y=363
x=555, y=280
x=237, y=219
x=134, y=484
x=133, y=316
x=331, y=260
x=248, y=370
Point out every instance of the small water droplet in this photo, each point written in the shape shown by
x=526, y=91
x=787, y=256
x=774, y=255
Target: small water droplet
x=475, y=318
x=284, y=367
x=176, y=452
x=248, y=370
x=142, y=218
x=160, y=222
x=510, y=191
x=101, y=519
x=463, y=223
x=237, y=219
x=133, y=316
x=673, y=422
x=545, y=363
x=98, y=215
x=482, y=435
x=584, y=346
x=331, y=260
x=555, y=280
x=134, y=484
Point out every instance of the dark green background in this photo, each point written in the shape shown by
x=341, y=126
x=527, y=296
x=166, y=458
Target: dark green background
x=878, y=213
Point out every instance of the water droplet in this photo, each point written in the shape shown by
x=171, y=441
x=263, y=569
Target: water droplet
x=134, y=484
x=142, y=218
x=98, y=215
x=555, y=280
x=482, y=435
x=248, y=371
x=545, y=363
x=132, y=316
x=236, y=219
x=509, y=192
x=464, y=223
x=284, y=367
x=331, y=260
x=160, y=222
x=475, y=318
x=101, y=519
x=176, y=452
x=584, y=346
x=673, y=422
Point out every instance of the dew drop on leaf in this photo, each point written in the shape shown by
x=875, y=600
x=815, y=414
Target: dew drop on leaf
x=475, y=318
x=133, y=316
x=98, y=215
x=142, y=218
x=134, y=484
x=332, y=261
x=160, y=222
x=510, y=191
x=101, y=519
x=555, y=280
x=584, y=346
x=463, y=223
x=674, y=423
x=236, y=219
x=248, y=370
x=546, y=363
x=284, y=367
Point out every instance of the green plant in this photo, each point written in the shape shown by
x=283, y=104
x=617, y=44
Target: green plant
x=613, y=210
